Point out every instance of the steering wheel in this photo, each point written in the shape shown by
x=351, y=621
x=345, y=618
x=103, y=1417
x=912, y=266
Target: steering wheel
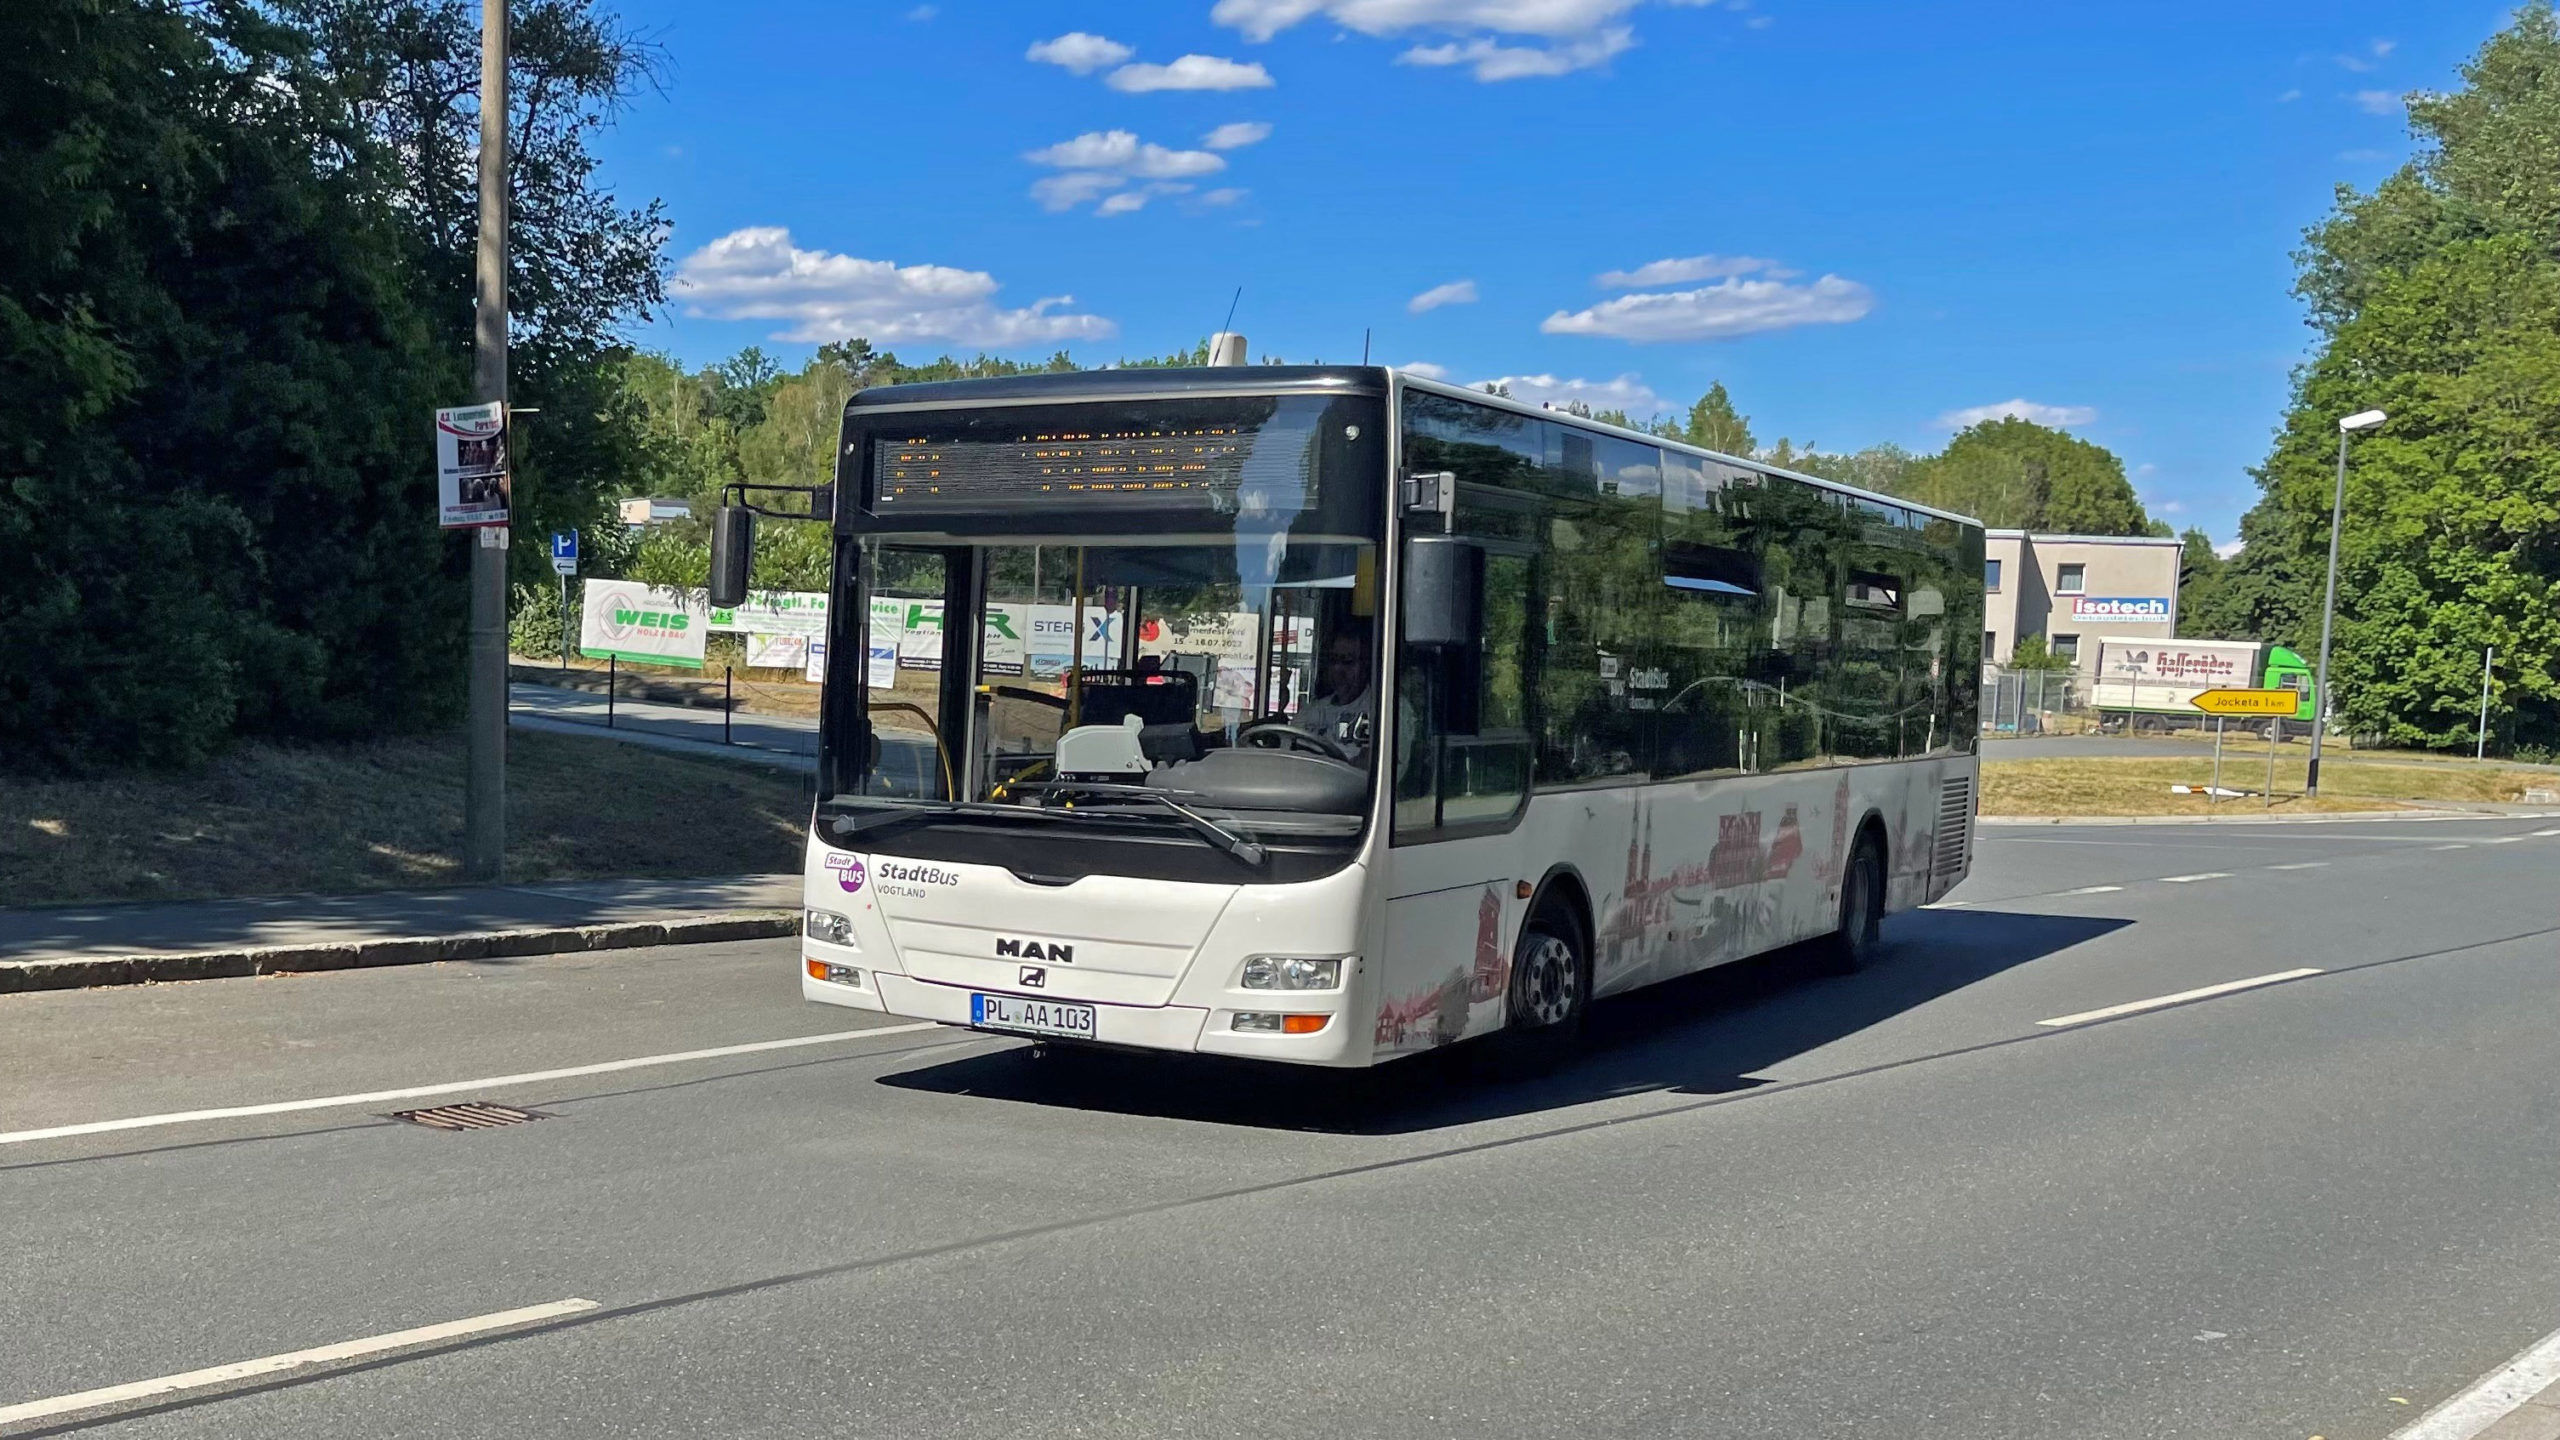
x=1285, y=736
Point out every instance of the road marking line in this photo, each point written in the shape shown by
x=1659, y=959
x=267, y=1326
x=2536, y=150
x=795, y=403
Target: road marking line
x=2460, y=845
x=290, y=1360
x=2191, y=879
x=2094, y=890
x=2300, y=865
x=2545, y=834
x=2492, y=1397
x=451, y=1087
x=2183, y=996
x=2500, y=839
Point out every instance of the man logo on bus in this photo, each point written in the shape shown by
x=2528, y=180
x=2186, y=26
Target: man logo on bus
x=1028, y=949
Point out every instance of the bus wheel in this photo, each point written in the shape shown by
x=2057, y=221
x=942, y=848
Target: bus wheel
x=1859, y=941
x=1550, y=986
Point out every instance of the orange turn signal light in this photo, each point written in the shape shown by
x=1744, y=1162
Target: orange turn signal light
x=1302, y=1024
x=817, y=969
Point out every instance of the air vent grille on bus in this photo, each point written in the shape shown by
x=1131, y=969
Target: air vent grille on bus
x=1955, y=816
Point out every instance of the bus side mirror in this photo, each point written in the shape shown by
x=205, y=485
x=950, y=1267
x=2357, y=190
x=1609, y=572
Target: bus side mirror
x=733, y=553
x=1443, y=578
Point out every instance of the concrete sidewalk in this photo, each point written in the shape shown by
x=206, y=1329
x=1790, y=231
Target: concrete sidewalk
x=70, y=946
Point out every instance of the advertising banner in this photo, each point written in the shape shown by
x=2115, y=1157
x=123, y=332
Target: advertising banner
x=471, y=466
x=817, y=674
x=1051, y=644
x=777, y=652
x=627, y=620
x=920, y=635
x=776, y=612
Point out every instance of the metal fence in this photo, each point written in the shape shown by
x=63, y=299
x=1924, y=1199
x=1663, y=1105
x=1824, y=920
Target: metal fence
x=2036, y=702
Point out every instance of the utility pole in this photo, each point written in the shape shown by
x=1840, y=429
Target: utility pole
x=2488, y=659
x=484, y=803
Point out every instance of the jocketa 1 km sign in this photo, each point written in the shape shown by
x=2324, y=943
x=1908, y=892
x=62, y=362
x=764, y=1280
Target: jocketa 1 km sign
x=631, y=621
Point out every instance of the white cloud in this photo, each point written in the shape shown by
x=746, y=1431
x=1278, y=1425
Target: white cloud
x=1564, y=35
x=758, y=274
x=1456, y=292
x=2229, y=548
x=1116, y=172
x=1118, y=150
x=1627, y=392
x=2053, y=415
x=2364, y=157
x=1191, y=72
x=1684, y=270
x=1493, y=61
x=2375, y=54
x=2377, y=102
x=1079, y=52
x=1237, y=134
x=2288, y=97
x=1551, y=19
x=1224, y=195
x=1426, y=370
x=1718, y=312
x=1076, y=187
x=922, y=13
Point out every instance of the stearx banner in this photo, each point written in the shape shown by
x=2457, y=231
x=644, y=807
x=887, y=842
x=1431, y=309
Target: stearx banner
x=654, y=624
x=472, y=489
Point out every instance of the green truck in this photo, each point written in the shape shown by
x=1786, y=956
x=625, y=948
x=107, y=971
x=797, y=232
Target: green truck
x=2149, y=684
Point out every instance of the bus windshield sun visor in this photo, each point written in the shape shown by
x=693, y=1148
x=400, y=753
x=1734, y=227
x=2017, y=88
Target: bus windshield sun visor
x=1710, y=569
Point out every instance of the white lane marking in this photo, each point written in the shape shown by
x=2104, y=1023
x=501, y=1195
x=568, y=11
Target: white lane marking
x=2492, y=1397
x=2300, y=865
x=290, y=1360
x=2191, y=879
x=2183, y=996
x=450, y=1087
x=2500, y=839
x=2094, y=890
x=2462, y=845
x=2545, y=834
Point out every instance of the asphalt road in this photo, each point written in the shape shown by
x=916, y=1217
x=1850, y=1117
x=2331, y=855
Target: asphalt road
x=1766, y=1203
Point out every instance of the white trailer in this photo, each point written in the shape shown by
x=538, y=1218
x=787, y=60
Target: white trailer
x=2152, y=684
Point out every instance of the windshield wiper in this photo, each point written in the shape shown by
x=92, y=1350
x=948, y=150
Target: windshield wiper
x=872, y=822
x=1206, y=828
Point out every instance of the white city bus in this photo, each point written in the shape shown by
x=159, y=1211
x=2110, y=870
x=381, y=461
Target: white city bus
x=1329, y=715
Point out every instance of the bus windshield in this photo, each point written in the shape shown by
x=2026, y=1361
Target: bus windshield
x=1077, y=613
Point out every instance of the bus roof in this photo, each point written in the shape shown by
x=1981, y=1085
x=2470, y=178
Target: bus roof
x=1175, y=381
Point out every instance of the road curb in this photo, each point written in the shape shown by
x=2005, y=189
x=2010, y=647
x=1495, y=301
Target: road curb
x=2326, y=818
x=86, y=972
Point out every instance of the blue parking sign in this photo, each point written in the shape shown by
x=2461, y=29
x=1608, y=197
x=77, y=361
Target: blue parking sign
x=564, y=552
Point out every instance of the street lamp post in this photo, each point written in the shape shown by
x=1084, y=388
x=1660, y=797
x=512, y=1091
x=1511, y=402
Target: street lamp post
x=2361, y=420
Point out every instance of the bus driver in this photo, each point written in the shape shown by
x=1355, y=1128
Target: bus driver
x=1345, y=709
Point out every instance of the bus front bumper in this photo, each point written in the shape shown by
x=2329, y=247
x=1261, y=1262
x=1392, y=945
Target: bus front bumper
x=1182, y=1028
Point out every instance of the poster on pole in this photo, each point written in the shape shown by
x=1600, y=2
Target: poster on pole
x=472, y=490
x=626, y=620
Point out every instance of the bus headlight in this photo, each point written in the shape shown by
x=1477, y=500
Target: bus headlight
x=829, y=926
x=1284, y=972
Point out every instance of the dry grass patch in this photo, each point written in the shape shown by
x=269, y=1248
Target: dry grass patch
x=2140, y=786
x=294, y=819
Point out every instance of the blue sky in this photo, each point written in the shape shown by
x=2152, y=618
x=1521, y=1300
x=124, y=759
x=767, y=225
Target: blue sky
x=1866, y=219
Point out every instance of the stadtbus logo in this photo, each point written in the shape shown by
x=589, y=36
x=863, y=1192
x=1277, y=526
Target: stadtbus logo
x=849, y=871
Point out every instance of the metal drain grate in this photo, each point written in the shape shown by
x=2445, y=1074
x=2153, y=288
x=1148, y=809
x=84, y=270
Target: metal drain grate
x=468, y=1117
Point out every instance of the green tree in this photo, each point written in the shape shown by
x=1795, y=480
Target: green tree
x=1715, y=425
x=2031, y=654
x=2015, y=473
x=211, y=485
x=2437, y=299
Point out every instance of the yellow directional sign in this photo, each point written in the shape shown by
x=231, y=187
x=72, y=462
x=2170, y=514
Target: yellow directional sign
x=2247, y=702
